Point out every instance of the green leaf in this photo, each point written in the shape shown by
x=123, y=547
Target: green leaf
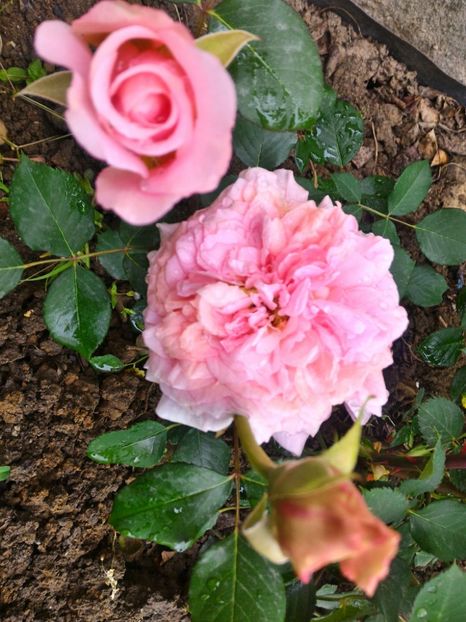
x=442, y=598
x=439, y=529
x=431, y=475
x=348, y=187
x=386, y=228
x=458, y=385
x=4, y=473
x=141, y=240
x=255, y=486
x=375, y=191
x=203, y=450
x=112, y=262
x=256, y=146
x=11, y=267
x=50, y=209
x=410, y=189
x=442, y=348
x=391, y=591
x=232, y=582
x=426, y=287
x=225, y=45
x=107, y=363
x=53, y=87
x=402, y=268
x=353, y=210
x=300, y=602
x=335, y=138
x=458, y=478
x=36, y=70
x=389, y=504
x=173, y=505
x=442, y=236
x=274, y=90
x=439, y=418
x=355, y=611
x=13, y=74
x=142, y=445
x=77, y=310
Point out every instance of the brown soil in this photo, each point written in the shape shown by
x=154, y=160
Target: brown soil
x=59, y=560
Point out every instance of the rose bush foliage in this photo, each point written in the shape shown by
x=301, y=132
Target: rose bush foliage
x=147, y=101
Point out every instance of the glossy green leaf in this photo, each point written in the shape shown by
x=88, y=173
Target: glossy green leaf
x=389, y=504
x=107, y=363
x=458, y=384
x=4, y=473
x=348, y=187
x=442, y=236
x=300, y=601
x=11, y=268
x=50, y=209
x=440, y=418
x=174, y=504
x=256, y=146
x=410, y=189
x=352, y=610
x=439, y=529
x=203, y=450
x=402, y=268
x=442, y=598
x=112, y=262
x=142, y=445
x=391, y=591
x=232, y=582
x=335, y=138
x=426, y=287
x=141, y=240
x=431, y=475
x=442, y=348
x=386, y=228
x=274, y=90
x=77, y=310
x=255, y=486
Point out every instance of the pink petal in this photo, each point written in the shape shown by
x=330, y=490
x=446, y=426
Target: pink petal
x=56, y=43
x=201, y=162
x=83, y=123
x=111, y=15
x=121, y=192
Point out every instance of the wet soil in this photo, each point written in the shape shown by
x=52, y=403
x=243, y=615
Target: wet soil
x=59, y=560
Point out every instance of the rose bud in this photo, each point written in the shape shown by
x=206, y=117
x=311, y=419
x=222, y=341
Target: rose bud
x=318, y=517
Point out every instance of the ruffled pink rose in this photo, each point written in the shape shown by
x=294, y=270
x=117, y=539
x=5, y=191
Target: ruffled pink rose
x=148, y=102
x=269, y=306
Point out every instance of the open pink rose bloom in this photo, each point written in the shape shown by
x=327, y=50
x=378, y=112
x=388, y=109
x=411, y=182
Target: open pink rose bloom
x=148, y=102
x=269, y=306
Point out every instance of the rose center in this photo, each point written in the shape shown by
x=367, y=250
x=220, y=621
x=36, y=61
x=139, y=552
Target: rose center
x=152, y=108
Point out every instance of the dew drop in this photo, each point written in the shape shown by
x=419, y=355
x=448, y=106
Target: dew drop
x=421, y=613
x=432, y=589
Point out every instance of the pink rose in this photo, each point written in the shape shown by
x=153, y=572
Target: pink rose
x=269, y=306
x=332, y=524
x=148, y=102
